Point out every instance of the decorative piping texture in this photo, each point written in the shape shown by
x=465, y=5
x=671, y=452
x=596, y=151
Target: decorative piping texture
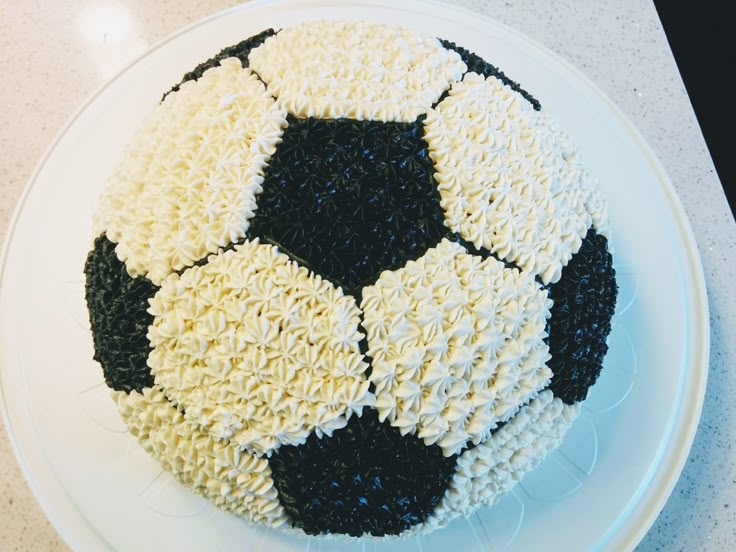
x=356, y=70
x=233, y=479
x=487, y=472
x=351, y=198
x=257, y=350
x=188, y=181
x=119, y=318
x=458, y=345
x=245, y=223
x=241, y=50
x=509, y=179
x=366, y=479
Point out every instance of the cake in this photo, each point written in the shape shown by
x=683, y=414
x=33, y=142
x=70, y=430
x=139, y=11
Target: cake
x=347, y=279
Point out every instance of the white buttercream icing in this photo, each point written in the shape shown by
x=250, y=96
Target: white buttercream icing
x=233, y=479
x=187, y=182
x=359, y=70
x=258, y=350
x=488, y=471
x=509, y=179
x=457, y=345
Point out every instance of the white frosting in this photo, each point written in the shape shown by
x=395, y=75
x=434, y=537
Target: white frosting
x=488, y=471
x=359, y=70
x=258, y=350
x=509, y=179
x=187, y=182
x=457, y=344
x=234, y=480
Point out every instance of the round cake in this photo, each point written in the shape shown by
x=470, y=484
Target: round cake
x=350, y=279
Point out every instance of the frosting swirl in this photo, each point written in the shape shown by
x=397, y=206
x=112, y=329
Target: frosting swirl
x=457, y=344
x=233, y=479
x=358, y=70
x=186, y=185
x=509, y=179
x=258, y=350
x=487, y=472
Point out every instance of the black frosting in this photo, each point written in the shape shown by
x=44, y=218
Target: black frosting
x=117, y=306
x=365, y=479
x=584, y=300
x=477, y=64
x=239, y=50
x=351, y=198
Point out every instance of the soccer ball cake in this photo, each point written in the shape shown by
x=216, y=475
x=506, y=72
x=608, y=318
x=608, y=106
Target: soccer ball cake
x=350, y=279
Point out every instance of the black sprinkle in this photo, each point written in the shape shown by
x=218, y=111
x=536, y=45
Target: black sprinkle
x=584, y=300
x=239, y=50
x=476, y=64
x=351, y=198
x=117, y=306
x=365, y=479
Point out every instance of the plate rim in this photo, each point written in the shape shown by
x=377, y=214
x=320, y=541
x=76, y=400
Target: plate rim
x=661, y=479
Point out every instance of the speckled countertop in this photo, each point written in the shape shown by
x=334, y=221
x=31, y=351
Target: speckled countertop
x=56, y=53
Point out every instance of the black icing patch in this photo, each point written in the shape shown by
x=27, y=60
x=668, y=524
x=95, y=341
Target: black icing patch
x=477, y=64
x=351, y=198
x=584, y=300
x=117, y=306
x=239, y=50
x=365, y=479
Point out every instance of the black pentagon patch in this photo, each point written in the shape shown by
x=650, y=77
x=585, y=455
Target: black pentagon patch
x=350, y=198
x=477, y=64
x=117, y=306
x=365, y=479
x=239, y=50
x=584, y=300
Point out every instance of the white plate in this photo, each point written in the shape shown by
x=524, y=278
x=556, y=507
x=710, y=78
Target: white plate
x=603, y=489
